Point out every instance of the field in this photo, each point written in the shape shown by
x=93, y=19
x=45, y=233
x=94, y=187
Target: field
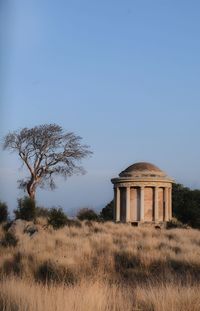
x=101, y=267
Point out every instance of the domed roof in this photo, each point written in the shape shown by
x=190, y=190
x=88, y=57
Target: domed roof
x=142, y=169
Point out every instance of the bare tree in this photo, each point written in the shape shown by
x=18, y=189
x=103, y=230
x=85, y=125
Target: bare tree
x=46, y=150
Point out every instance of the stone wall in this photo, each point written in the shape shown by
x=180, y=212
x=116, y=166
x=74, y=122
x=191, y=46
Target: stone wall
x=134, y=204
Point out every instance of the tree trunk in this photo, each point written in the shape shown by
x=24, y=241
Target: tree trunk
x=31, y=185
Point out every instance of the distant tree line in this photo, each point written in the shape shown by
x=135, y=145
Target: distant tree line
x=186, y=205
x=185, y=202
x=56, y=217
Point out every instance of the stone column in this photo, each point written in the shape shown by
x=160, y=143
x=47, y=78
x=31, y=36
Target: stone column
x=170, y=203
x=114, y=209
x=128, y=204
x=136, y=213
x=117, y=204
x=142, y=203
x=166, y=204
x=156, y=218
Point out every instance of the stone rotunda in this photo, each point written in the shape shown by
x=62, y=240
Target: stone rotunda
x=142, y=194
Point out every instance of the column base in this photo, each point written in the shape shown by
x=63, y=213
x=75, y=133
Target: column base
x=161, y=224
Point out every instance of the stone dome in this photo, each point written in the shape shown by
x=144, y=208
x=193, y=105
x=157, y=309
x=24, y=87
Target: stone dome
x=142, y=169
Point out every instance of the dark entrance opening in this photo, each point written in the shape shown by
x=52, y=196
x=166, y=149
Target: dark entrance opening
x=134, y=224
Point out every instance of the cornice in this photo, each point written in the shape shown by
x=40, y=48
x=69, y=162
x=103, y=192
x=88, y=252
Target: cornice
x=124, y=180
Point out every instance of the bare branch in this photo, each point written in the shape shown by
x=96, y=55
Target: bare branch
x=47, y=151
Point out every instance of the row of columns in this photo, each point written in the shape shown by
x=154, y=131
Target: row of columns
x=166, y=203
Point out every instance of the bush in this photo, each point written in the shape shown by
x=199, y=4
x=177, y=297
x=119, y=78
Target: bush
x=175, y=223
x=50, y=271
x=57, y=218
x=26, y=209
x=3, y=212
x=107, y=212
x=126, y=260
x=7, y=225
x=87, y=214
x=42, y=212
x=74, y=223
x=13, y=265
x=9, y=240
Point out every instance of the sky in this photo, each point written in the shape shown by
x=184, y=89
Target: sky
x=123, y=74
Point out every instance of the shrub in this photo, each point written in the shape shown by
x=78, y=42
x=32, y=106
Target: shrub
x=9, y=240
x=50, y=271
x=107, y=212
x=3, y=212
x=74, y=223
x=26, y=209
x=7, y=225
x=87, y=214
x=13, y=265
x=126, y=260
x=57, y=218
x=175, y=223
x=88, y=223
x=42, y=212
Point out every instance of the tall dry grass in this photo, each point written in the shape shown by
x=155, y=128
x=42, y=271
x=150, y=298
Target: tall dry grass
x=102, y=267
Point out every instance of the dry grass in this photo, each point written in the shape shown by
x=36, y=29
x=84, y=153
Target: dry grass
x=102, y=267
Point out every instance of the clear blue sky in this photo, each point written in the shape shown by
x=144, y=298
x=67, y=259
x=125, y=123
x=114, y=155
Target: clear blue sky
x=125, y=75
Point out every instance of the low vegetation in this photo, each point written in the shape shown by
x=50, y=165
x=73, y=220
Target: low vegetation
x=87, y=214
x=99, y=266
x=3, y=212
x=26, y=209
x=57, y=218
